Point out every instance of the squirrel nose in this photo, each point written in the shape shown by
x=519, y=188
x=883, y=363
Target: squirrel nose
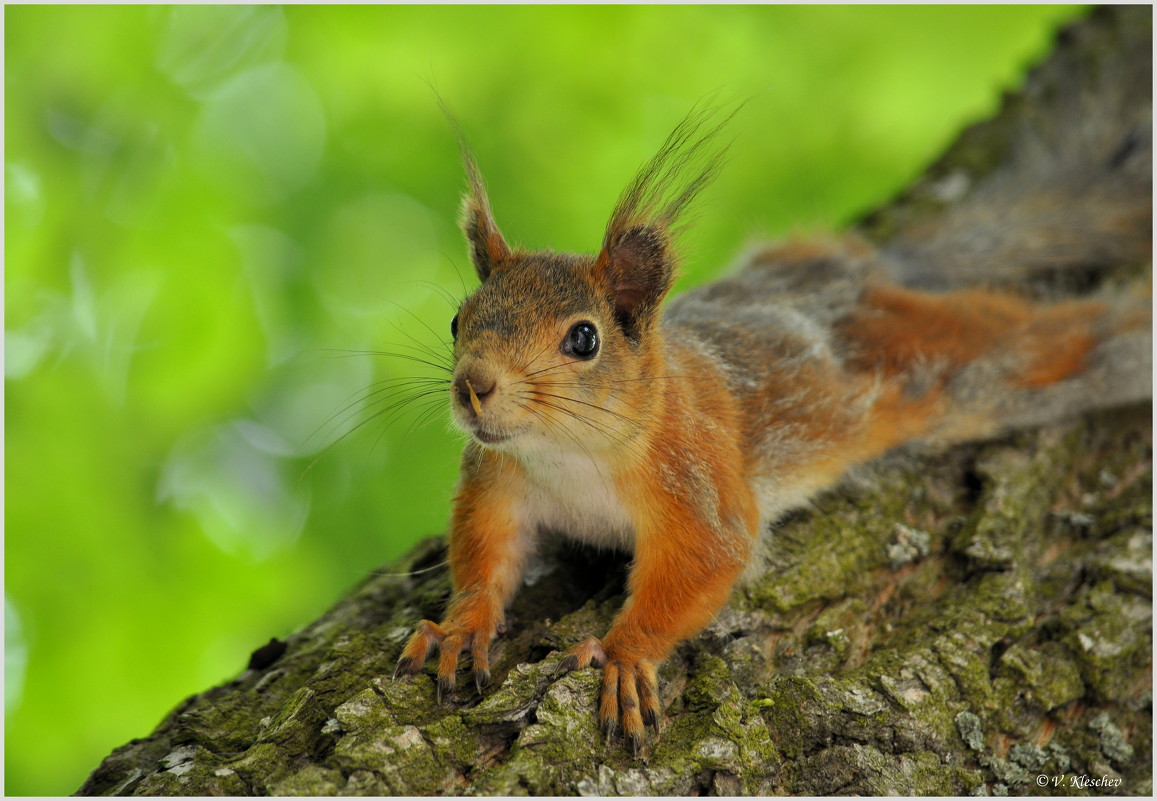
x=472, y=390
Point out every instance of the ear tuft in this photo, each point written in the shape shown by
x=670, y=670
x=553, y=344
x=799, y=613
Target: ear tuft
x=637, y=261
x=488, y=249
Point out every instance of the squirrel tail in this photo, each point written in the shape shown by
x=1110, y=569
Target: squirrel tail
x=997, y=361
x=1072, y=197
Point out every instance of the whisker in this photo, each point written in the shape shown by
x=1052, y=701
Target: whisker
x=438, y=337
x=447, y=367
x=353, y=402
x=395, y=409
x=357, y=427
x=601, y=428
x=391, y=413
x=546, y=369
x=631, y=446
x=443, y=356
x=622, y=417
x=424, y=410
x=432, y=408
x=584, y=385
x=408, y=574
x=387, y=395
x=554, y=426
x=457, y=272
x=445, y=361
x=545, y=349
x=392, y=407
x=434, y=411
x=441, y=290
x=393, y=386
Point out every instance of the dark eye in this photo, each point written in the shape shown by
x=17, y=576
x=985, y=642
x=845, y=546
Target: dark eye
x=454, y=328
x=582, y=341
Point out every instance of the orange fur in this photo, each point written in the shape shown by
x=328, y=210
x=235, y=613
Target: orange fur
x=895, y=328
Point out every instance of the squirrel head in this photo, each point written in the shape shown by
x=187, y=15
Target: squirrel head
x=562, y=349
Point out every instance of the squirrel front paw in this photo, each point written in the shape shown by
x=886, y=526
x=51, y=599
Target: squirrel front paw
x=629, y=698
x=452, y=637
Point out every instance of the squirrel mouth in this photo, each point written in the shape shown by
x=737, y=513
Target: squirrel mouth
x=488, y=437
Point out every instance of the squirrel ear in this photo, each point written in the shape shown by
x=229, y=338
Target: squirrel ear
x=639, y=268
x=487, y=247
x=637, y=261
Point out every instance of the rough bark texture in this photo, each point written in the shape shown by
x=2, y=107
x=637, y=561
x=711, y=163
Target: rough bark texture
x=977, y=621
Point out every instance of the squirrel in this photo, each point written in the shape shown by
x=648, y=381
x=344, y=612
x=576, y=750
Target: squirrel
x=681, y=435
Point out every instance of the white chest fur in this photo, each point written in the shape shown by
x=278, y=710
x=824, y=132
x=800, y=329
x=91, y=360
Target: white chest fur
x=574, y=494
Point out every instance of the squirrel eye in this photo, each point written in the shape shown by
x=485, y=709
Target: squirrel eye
x=582, y=341
x=454, y=328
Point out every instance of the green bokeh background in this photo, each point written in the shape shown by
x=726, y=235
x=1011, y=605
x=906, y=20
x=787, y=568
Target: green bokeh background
x=213, y=213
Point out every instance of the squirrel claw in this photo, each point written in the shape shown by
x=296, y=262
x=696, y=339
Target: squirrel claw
x=481, y=679
x=450, y=639
x=629, y=701
x=404, y=667
x=636, y=743
x=445, y=687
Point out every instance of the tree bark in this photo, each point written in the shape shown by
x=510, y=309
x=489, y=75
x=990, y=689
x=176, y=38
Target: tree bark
x=976, y=621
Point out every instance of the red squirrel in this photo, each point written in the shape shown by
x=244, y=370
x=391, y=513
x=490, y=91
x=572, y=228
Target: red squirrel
x=680, y=435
